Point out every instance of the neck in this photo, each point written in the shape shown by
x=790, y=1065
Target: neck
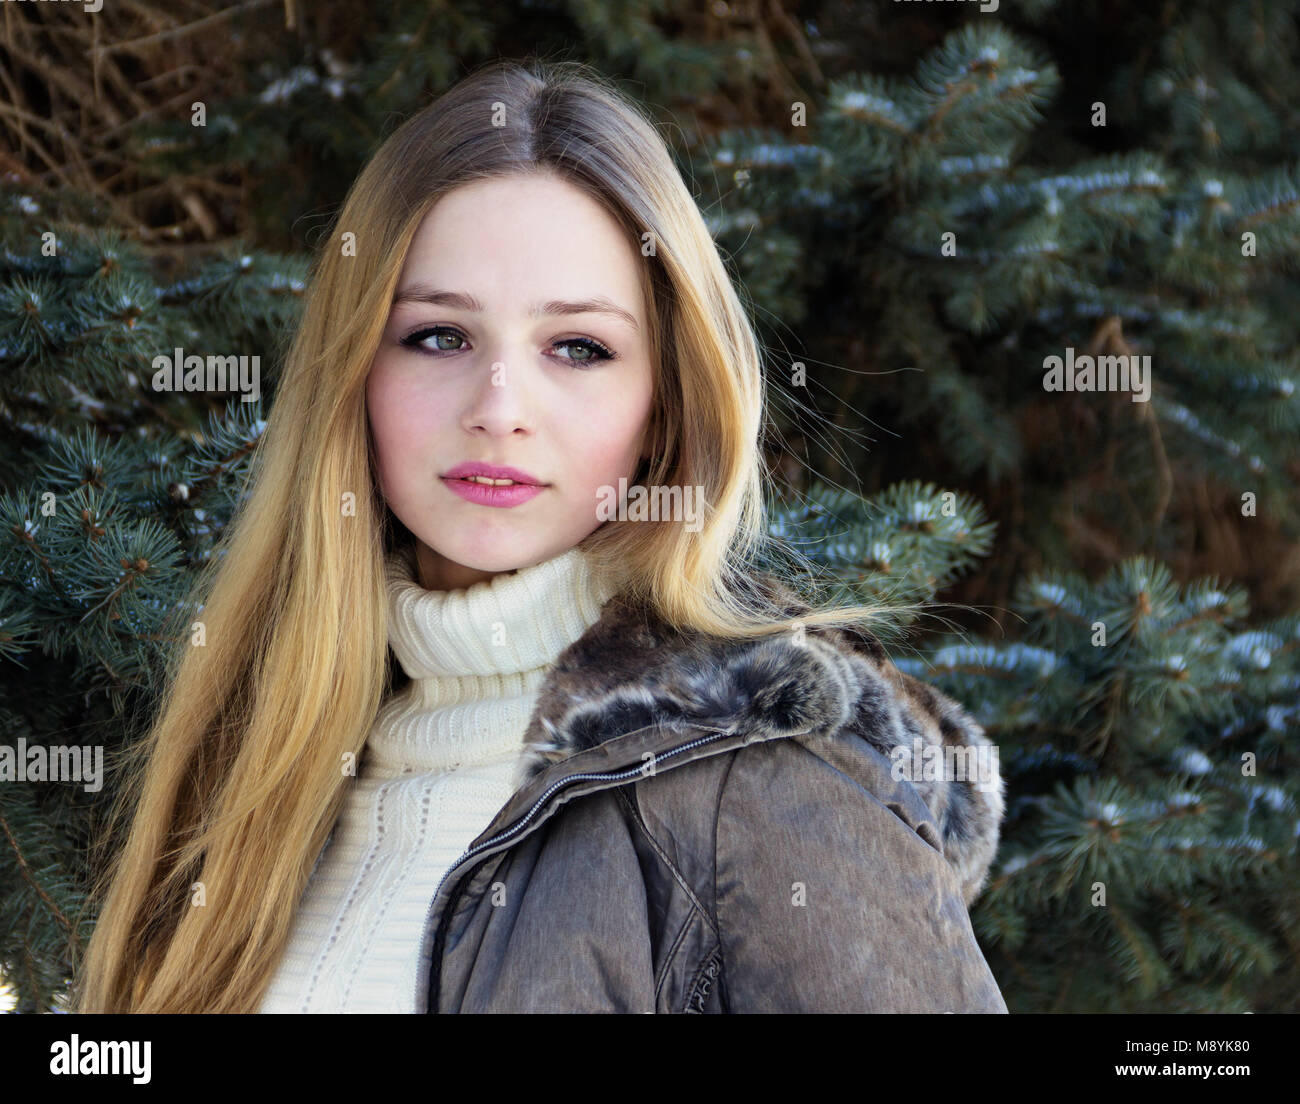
x=436, y=572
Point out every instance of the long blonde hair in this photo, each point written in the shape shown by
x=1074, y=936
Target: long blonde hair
x=234, y=789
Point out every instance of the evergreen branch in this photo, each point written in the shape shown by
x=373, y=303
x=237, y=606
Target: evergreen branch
x=1100, y=740
x=30, y=879
x=1013, y=867
x=134, y=573
x=1271, y=212
x=1149, y=966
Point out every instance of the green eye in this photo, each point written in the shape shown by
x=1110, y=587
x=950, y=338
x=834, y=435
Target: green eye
x=417, y=339
x=594, y=350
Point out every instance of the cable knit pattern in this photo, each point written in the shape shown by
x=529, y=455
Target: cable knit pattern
x=441, y=760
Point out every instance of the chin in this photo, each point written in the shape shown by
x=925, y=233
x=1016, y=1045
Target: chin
x=504, y=555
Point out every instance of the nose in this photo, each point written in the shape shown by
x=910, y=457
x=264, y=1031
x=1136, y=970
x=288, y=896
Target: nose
x=501, y=398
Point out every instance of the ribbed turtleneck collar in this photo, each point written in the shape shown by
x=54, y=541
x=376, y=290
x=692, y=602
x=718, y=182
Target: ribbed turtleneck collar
x=505, y=625
x=476, y=657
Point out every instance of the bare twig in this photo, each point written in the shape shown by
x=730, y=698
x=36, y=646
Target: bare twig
x=183, y=30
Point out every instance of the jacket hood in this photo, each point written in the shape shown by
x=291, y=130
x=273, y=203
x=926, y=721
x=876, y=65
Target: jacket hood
x=630, y=670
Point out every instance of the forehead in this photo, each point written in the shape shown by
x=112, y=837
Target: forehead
x=524, y=238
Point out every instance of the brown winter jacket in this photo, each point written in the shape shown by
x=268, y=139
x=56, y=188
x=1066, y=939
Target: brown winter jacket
x=712, y=826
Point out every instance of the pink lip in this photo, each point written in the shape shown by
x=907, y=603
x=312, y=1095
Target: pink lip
x=485, y=495
x=492, y=471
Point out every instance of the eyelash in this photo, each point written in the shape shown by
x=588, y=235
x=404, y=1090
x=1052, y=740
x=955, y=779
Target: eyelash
x=416, y=339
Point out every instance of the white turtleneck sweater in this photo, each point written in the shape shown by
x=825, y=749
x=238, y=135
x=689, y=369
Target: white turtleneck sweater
x=441, y=760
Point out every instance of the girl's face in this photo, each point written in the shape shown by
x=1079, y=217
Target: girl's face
x=514, y=295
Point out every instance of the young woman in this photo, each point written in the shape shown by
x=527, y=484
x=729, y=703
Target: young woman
x=612, y=768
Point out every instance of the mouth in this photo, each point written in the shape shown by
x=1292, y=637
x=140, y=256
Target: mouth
x=482, y=491
x=491, y=475
x=485, y=481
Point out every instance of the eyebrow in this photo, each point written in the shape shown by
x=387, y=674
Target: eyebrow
x=420, y=293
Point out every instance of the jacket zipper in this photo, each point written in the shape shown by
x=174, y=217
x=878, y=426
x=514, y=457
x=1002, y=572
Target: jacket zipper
x=507, y=832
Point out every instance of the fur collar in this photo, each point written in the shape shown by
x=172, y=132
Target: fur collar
x=629, y=670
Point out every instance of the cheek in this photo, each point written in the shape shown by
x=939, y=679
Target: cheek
x=400, y=419
x=606, y=446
